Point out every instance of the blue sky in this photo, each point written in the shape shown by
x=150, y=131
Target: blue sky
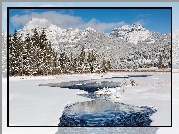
x=158, y=20
x=103, y=20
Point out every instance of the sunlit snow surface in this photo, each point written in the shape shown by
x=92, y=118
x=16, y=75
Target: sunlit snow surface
x=31, y=104
x=34, y=105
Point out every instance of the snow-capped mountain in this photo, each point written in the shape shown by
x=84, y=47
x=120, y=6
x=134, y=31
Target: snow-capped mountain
x=133, y=34
x=136, y=33
x=54, y=33
x=175, y=49
x=125, y=46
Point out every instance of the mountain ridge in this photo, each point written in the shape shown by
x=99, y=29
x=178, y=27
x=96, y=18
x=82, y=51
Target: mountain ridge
x=136, y=45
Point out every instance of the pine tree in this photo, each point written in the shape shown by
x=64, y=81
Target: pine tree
x=108, y=64
x=160, y=63
x=34, y=56
x=82, y=56
x=67, y=63
x=81, y=60
x=91, y=58
x=26, y=54
x=55, y=64
x=104, y=68
x=95, y=62
x=72, y=63
x=63, y=61
x=34, y=53
x=36, y=38
x=42, y=39
x=21, y=55
x=14, y=53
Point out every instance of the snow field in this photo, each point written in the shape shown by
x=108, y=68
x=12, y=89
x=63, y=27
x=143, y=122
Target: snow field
x=31, y=104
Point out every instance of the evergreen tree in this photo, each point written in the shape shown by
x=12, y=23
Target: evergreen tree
x=92, y=60
x=108, y=64
x=14, y=53
x=63, y=61
x=42, y=39
x=33, y=56
x=160, y=63
x=35, y=51
x=104, y=67
x=21, y=55
x=26, y=54
x=82, y=56
x=81, y=60
x=55, y=64
x=95, y=62
x=36, y=38
x=72, y=63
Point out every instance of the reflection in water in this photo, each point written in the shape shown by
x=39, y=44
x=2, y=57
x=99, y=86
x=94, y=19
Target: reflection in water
x=105, y=113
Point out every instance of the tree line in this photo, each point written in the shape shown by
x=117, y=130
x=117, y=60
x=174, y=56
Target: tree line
x=34, y=55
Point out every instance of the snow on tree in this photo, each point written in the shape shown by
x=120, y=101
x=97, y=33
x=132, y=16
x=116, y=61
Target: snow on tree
x=33, y=56
x=15, y=51
x=160, y=63
x=134, y=45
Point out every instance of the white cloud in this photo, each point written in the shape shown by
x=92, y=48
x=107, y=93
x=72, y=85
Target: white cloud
x=20, y=20
x=142, y=19
x=144, y=15
x=100, y=26
x=65, y=21
x=142, y=22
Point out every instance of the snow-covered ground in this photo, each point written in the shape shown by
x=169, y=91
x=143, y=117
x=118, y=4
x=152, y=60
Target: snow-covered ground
x=175, y=107
x=35, y=105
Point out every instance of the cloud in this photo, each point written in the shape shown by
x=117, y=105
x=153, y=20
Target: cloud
x=71, y=11
x=142, y=19
x=65, y=21
x=20, y=20
x=100, y=26
x=142, y=22
x=27, y=11
x=143, y=15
